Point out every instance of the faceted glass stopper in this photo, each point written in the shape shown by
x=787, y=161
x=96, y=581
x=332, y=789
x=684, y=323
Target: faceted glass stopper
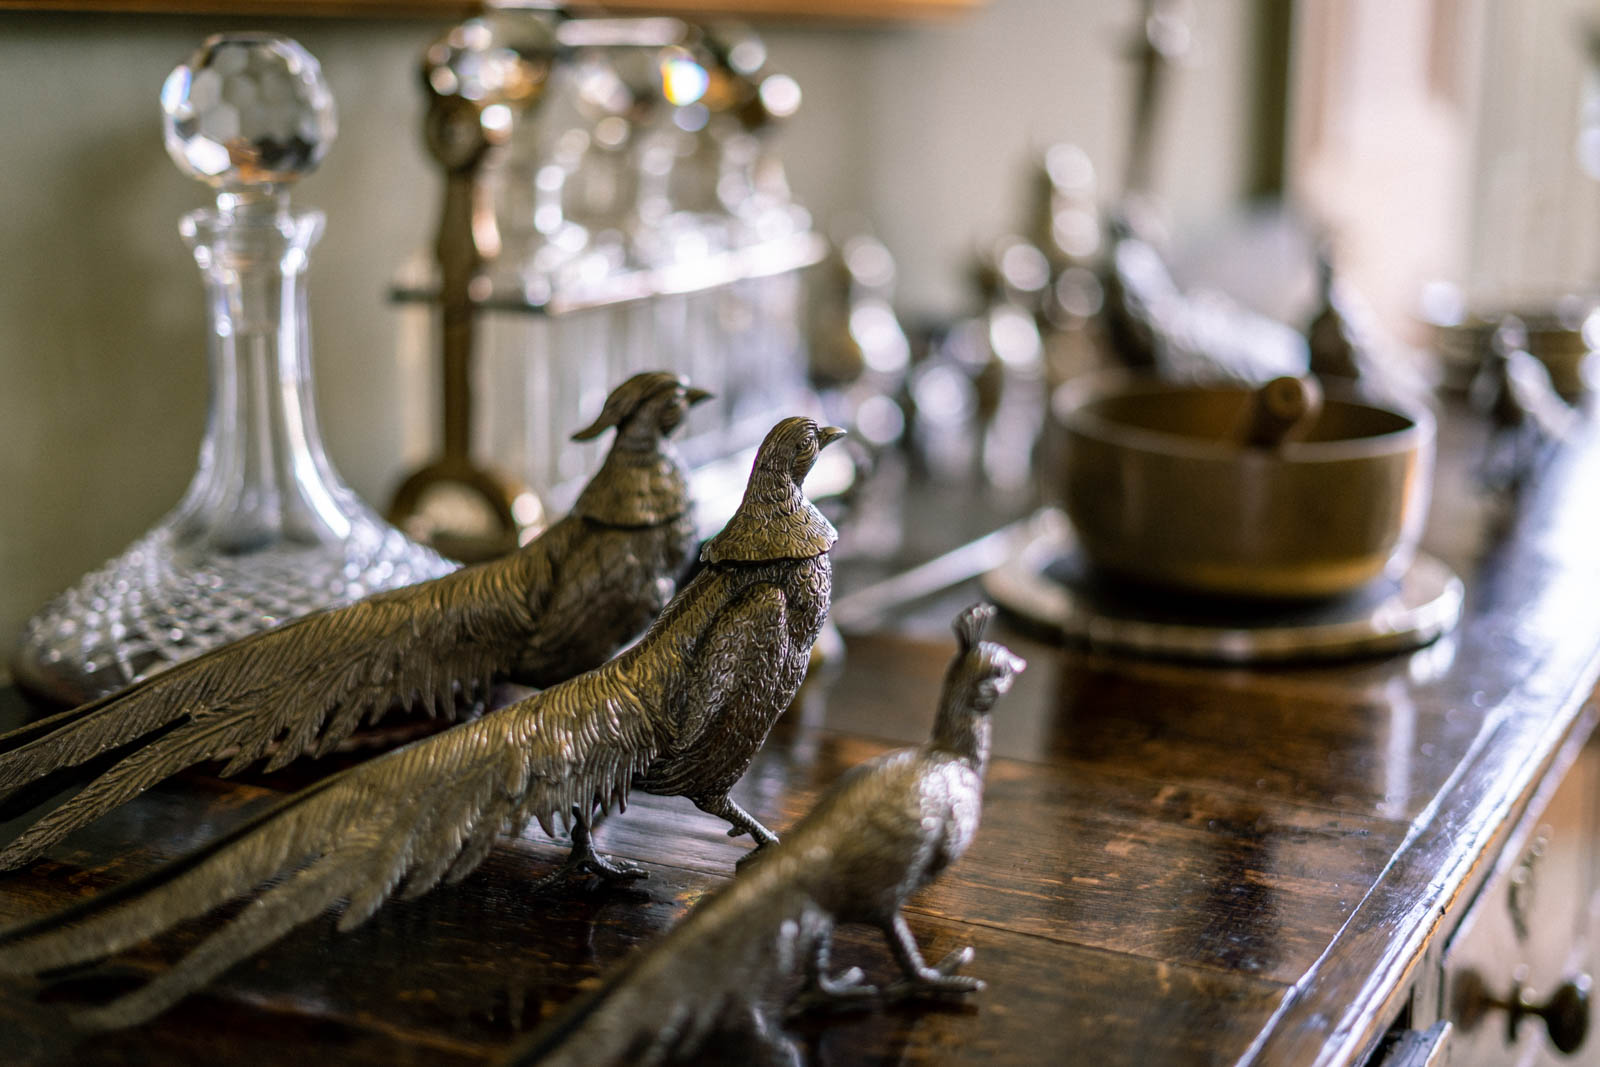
x=248, y=110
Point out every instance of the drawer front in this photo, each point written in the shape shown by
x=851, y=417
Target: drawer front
x=1529, y=930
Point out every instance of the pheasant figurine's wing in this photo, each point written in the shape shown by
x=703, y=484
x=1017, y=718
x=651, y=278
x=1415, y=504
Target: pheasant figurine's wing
x=751, y=634
x=665, y=999
x=303, y=687
x=430, y=809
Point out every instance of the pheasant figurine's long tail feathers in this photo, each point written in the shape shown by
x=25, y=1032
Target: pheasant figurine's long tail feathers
x=668, y=997
x=300, y=688
x=970, y=626
x=413, y=815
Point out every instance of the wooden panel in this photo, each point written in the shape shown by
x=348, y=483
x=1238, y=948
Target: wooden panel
x=1172, y=873
x=832, y=10
x=1527, y=665
x=457, y=975
x=1381, y=748
x=469, y=969
x=1531, y=912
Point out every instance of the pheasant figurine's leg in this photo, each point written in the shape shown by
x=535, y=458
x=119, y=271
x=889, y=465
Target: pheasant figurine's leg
x=741, y=821
x=821, y=990
x=583, y=861
x=919, y=978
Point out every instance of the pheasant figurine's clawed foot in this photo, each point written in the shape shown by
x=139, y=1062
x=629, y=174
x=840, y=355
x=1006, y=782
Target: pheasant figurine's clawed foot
x=843, y=992
x=583, y=861
x=740, y=822
x=939, y=980
x=849, y=989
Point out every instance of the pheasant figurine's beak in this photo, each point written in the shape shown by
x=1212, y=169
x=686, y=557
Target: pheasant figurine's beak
x=694, y=396
x=827, y=435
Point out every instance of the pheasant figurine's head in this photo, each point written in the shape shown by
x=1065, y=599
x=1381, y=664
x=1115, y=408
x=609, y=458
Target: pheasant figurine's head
x=791, y=448
x=775, y=520
x=645, y=409
x=643, y=481
x=981, y=672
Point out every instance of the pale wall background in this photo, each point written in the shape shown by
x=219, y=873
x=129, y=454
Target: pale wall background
x=928, y=129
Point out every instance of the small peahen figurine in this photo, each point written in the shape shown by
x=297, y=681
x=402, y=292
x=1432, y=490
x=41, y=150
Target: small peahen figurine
x=681, y=713
x=1527, y=417
x=886, y=829
x=558, y=606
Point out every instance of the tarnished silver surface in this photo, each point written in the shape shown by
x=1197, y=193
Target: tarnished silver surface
x=559, y=606
x=886, y=829
x=1348, y=346
x=1406, y=613
x=681, y=713
x=1153, y=325
x=1527, y=416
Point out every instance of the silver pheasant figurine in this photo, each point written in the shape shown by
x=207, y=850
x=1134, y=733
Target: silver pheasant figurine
x=558, y=606
x=884, y=830
x=680, y=713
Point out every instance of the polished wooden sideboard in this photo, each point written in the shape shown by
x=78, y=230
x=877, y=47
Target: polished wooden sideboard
x=1177, y=865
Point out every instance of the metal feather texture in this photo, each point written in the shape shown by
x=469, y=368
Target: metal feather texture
x=886, y=829
x=699, y=690
x=559, y=606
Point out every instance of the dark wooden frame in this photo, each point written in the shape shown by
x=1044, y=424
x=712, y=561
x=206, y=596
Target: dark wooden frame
x=830, y=10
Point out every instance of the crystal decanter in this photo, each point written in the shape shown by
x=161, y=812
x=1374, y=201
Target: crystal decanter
x=267, y=529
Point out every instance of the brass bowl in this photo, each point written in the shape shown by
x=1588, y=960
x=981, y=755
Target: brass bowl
x=1562, y=338
x=1162, y=490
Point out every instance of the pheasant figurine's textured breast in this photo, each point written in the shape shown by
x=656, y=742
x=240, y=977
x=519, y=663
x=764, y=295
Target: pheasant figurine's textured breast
x=768, y=573
x=555, y=608
x=630, y=534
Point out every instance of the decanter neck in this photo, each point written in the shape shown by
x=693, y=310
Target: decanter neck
x=263, y=477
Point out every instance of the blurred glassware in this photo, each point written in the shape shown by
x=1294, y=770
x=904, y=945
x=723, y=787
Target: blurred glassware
x=978, y=401
x=635, y=232
x=1063, y=222
x=859, y=351
x=267, y=529
x=1006, y=353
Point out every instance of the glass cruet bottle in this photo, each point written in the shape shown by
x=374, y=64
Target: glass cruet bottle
x=267, y=529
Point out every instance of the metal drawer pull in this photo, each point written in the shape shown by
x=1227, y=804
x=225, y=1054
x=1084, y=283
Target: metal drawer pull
x=1565, y=1014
